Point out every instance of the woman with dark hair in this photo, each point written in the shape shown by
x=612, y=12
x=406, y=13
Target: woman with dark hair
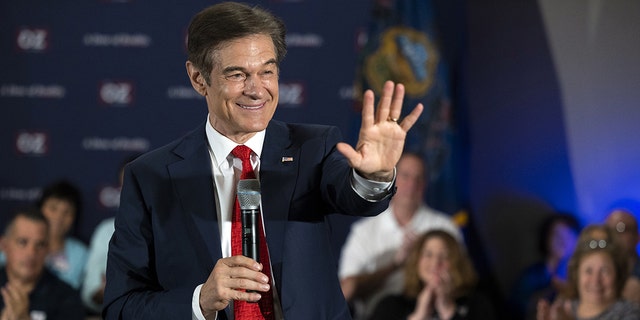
x=440, y=283
x=61, y=203
x=546, y=277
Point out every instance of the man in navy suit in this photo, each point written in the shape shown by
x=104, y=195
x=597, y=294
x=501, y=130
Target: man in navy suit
x=170, y=255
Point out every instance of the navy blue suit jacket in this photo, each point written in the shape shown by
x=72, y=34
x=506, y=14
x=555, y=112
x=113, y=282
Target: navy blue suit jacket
x=166, y=239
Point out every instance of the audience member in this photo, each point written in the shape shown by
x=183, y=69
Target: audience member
x=545, y=278
x=376, y=247
x=60, y=203
x=597, y=232
x=625, y=227
x=597, y=275
x=440, y=283
x=29, y=290
x=92, y=291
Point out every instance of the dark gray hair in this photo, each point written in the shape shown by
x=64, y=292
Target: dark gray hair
x=214, y=26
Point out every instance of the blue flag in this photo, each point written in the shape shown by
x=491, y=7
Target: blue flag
x=401, y=46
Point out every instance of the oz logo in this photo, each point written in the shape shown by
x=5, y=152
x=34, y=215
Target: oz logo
x=32, y=143
x=33, y=39
x=109, y=197
x=116, y=93
x=292, y=94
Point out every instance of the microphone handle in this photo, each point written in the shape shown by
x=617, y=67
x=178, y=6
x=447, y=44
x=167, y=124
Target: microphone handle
x=250, y=234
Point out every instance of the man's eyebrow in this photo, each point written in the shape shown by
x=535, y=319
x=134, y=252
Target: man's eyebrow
x=238, y=68
x=271, y=61
x=232, y=69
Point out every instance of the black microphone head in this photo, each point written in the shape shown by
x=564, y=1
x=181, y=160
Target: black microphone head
x=249, y=193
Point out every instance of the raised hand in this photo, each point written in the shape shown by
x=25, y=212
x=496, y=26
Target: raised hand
x=382, y=134
x=442, y=285
x=424, y=304
x=16, y=302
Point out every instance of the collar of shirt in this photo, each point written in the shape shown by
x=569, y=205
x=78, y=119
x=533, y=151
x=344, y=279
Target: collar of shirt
x=222, y=146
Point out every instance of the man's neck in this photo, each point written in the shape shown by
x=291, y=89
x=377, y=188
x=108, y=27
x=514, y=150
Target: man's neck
x=404, y=212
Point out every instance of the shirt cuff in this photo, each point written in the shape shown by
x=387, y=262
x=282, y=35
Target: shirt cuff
x=370, y=190
x=196, y=313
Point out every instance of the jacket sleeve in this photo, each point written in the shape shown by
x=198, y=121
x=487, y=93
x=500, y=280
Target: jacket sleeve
x=133, y=290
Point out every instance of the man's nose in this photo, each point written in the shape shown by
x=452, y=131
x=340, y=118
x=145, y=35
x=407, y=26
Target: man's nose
x=252, y=87
x=32, y=250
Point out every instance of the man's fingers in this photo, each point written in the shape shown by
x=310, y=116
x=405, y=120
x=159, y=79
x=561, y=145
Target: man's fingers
x=242, y=261
x=243, y=278
x=348, y=152
x=396, y=103
x=368, y=118
x=10, y=293
x=412, y=118
x=384, y=105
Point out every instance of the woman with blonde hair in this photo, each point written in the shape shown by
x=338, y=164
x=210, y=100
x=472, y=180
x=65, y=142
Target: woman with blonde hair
x=440, y=283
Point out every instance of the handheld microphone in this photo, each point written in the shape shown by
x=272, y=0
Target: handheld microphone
x=249, y=199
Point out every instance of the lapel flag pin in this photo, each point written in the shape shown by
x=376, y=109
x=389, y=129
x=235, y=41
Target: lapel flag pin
x=287, y=159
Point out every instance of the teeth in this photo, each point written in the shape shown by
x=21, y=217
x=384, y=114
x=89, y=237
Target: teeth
x=250, y=107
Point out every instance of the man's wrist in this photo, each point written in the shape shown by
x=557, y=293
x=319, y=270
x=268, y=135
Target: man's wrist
x=372, y=190
x=383, y=176
x=196, y=311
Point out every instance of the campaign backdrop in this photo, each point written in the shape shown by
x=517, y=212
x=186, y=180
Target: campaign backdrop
x=86, y=85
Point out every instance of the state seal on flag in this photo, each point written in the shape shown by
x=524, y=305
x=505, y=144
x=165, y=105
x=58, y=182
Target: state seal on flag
x=404, y=55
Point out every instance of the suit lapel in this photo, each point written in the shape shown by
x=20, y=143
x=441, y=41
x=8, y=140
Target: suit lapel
x=193, y=182
x=278, y=168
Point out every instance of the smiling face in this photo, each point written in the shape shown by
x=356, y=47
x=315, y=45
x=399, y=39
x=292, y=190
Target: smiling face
x=596, y=279
x=243, y=91
x=434, y=259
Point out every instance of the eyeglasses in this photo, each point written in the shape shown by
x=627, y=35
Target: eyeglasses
x=593, y=244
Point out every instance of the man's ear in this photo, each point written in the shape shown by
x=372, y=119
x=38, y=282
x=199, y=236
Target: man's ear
x=197, y=78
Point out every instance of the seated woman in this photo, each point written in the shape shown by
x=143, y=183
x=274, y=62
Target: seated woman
x=558, y=234
x=597, y=274
x=439, y=284
x=61, y=203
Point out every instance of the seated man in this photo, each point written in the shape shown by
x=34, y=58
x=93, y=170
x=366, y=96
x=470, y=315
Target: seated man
x=28, y=290
x=625, y=227
x=376, y=247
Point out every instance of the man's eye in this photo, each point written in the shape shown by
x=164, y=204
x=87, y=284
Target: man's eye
x=235, y=77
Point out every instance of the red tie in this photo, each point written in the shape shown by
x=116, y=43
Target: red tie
x=264, y=308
